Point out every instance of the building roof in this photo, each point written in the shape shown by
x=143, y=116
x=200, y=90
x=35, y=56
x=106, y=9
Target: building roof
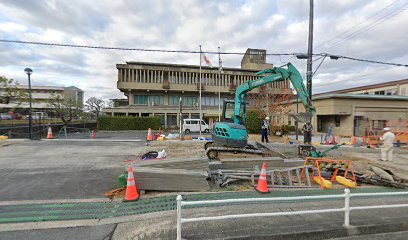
x=55, y=88
x=360, y=96
x=188, y=66
x=367, y=87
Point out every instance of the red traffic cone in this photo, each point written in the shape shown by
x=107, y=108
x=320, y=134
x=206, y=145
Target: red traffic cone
x=149, y=135
x=334, y=140
x=327, y=141
x=131, y=191
x=49, y=133
x=93, y=134
x=354, y=140
x=262, y=183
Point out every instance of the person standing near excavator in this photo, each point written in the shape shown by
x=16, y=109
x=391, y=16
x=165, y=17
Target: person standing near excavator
x=388, y=145
x=264, y=129
x=307, y=133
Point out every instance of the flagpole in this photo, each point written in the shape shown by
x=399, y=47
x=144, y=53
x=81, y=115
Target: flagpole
x=219, y=84
x=201, y=117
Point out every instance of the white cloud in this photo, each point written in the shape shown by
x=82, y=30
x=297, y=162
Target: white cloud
x=278, y=26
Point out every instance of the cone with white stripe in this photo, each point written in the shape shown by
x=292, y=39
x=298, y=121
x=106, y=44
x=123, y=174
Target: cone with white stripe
x=131, y=191
x=262, y=182
x=49, y=133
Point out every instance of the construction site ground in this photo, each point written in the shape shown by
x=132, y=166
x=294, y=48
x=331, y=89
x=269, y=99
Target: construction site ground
x=54, y=184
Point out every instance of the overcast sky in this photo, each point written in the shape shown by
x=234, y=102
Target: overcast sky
x=375, y=30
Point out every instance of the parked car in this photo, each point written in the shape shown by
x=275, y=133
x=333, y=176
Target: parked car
x=5, y=116
x=193, y=125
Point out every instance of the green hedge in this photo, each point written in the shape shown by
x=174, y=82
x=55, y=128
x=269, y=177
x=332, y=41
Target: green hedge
x=254, y=120
x=128, y=123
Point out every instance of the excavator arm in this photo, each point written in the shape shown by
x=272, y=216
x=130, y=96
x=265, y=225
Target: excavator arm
x=274, y=75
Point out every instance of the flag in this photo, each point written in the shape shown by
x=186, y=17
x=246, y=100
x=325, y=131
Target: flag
x=205, y=59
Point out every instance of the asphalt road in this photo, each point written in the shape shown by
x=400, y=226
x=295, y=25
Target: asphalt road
x=39, y=170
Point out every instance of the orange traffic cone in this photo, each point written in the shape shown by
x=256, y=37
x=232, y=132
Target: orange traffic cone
x=131, y=191
x=149, y=135
x=354, y=140
x=49, y=133
x=93, y=134
x=327, y=141
x=334, y=140
x=262, y=183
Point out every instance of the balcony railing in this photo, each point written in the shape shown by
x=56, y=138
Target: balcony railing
x=166, y=85
x=198, y=86
x=232, y=87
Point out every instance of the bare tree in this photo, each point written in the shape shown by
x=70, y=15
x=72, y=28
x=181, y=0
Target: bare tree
x=95, y=105
x=66, y=108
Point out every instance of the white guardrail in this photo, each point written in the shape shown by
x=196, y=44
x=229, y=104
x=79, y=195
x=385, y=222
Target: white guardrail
x=346, y=209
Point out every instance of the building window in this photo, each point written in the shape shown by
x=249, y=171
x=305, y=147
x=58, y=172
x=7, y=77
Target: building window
x=156, y=100
x=379, y=92
x=209, y=101
x=141, y=99
x=337, y=121
x=188, y=101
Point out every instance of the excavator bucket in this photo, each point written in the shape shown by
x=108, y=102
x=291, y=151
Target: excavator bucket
x=301, y=117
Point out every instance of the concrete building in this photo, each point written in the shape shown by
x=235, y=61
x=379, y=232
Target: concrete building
x=355, y=114
x=154, y=89
x=41, y=97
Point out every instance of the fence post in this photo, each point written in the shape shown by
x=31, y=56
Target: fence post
x=347, y=207
x=179, y=198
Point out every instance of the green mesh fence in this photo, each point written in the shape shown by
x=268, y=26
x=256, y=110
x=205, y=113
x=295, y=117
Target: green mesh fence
x=100, y=210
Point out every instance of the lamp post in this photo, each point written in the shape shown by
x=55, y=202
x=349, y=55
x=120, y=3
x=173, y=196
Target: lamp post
x=30, y=118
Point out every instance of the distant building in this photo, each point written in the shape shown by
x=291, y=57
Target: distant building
x=41, y=98
x=154, y=89
x=355, y=114
x=399, y=87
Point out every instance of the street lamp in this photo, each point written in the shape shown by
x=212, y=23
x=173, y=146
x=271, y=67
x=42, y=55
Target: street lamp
x=30, y=119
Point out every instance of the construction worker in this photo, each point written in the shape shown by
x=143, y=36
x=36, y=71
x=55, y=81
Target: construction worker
x=388, y=144
x=307, y=132
x=264, y=129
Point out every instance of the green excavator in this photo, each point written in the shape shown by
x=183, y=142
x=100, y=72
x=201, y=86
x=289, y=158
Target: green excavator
x=230, y=135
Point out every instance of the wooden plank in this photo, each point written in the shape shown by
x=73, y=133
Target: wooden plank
x=161, y=179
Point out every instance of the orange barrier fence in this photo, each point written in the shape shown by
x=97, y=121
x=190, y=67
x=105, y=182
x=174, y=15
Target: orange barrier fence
x=330, y=165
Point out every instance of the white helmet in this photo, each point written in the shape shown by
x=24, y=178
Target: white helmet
x=267, y=118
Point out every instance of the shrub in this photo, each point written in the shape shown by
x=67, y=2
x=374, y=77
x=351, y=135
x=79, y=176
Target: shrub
x=254, y=120
x=128, y=123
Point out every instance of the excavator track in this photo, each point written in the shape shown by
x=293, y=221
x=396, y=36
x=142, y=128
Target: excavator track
x=212, y=152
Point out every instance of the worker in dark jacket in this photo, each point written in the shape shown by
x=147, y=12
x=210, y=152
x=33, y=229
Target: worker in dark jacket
x=307, y=133
x=264, y=129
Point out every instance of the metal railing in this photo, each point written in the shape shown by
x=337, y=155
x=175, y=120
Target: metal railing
x=346, y=209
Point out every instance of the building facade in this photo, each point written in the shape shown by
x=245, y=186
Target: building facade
x=41, y=98
x=155, y=89
x=356, y=114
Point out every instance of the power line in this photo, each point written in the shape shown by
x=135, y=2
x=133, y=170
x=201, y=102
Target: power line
x=132, y=49
x=298, y=55
x=367, y=27
x=354, y=26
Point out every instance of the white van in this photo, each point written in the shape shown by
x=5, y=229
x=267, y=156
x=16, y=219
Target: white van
x=193, y=125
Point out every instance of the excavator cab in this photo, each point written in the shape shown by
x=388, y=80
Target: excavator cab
x=228, y=112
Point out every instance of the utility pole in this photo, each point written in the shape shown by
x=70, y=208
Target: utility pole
x=310, y=52
x=201, y=114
